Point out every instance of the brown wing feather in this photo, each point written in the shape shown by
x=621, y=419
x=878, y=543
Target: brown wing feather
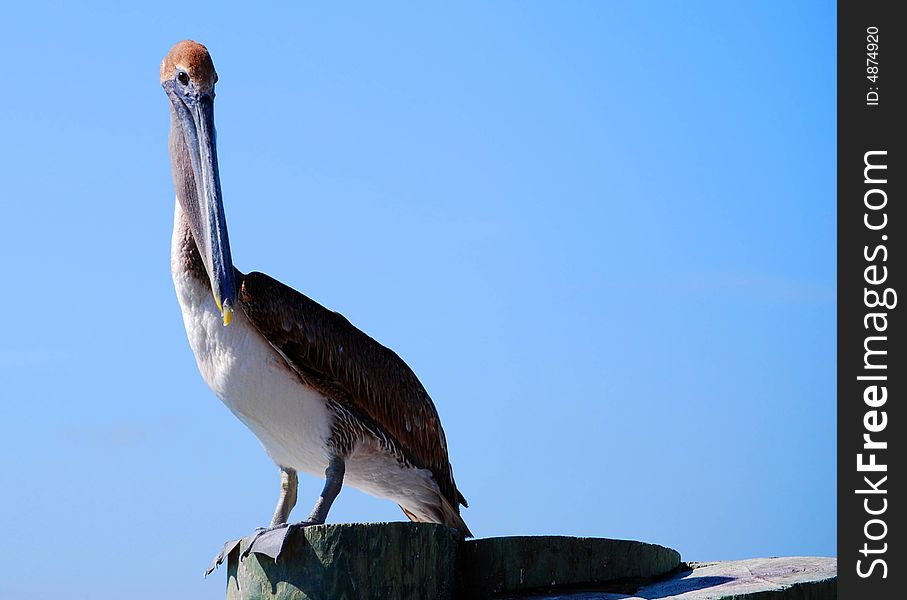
x=372, y=379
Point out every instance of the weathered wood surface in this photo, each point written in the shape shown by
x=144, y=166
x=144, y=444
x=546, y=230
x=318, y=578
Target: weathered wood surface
x=788, y=578
x=409, y=560
x=350, y=561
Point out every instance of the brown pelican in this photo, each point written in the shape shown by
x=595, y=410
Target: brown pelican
x=321, y=396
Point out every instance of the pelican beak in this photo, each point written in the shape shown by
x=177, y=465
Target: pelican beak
x=195, y=112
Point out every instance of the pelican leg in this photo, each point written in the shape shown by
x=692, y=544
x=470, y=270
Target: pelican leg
x=270, y=541
x=289, y=483
x=333, y=481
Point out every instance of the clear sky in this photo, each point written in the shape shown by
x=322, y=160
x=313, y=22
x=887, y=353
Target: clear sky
x=602, y=234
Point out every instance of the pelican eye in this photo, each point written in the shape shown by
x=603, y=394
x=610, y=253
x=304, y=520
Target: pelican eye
x=183, y=77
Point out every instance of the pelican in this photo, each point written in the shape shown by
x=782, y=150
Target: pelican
x=321, y=396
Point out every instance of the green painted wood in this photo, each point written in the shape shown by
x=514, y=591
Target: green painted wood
x=523, y=564
x=378, y=560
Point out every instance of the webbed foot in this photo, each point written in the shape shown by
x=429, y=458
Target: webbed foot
x=270, y=541
x=264, y=540
x=222, y=555
x=267, y=540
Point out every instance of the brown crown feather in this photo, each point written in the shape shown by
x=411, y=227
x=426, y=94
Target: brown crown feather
x=194, y=59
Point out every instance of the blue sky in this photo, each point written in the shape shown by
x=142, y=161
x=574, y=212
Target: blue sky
x=602, y=234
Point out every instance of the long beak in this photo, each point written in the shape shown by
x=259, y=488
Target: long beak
x=211, y=235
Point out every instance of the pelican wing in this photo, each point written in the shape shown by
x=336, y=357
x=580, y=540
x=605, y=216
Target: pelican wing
x=366, y=378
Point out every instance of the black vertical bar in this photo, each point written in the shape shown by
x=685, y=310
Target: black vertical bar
x=871, y=272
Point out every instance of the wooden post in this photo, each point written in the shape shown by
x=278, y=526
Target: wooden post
x=376, y=560
x=420, y=560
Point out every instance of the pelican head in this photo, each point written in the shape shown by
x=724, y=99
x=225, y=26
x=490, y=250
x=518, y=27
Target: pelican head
x=188, y=77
